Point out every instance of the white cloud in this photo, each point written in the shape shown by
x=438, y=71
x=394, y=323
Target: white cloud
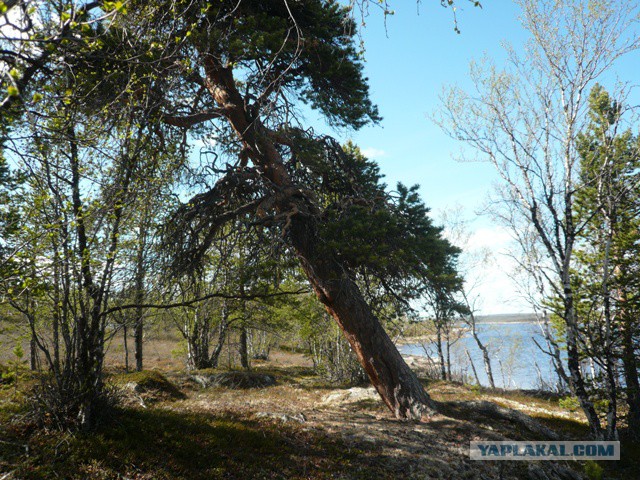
x=495, y=238
x=490, y=280
x=496, y=291
x=372, y=153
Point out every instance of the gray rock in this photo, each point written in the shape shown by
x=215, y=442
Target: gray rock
x=234, y=380
x=351, y=395
x=283, y=417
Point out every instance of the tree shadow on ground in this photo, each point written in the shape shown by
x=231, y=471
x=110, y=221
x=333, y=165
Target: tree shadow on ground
x=164, y=444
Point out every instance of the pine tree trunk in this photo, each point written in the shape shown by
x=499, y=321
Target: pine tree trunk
x=396, y=383
x=631, y=380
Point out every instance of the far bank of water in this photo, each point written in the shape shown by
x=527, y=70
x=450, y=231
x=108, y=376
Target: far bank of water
x=517, y=362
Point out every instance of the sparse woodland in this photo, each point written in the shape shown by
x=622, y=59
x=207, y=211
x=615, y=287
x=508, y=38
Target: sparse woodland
x=191, y=277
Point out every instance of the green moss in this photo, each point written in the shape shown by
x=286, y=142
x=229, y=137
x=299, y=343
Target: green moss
x=593, y=471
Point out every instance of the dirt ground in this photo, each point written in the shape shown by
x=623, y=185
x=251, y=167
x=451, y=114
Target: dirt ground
x=306, y=406
x=437, y=447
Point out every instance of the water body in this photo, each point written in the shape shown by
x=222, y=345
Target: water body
x=516, y=361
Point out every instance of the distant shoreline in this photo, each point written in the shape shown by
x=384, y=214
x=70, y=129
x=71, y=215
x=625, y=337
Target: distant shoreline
x=504, y=322
x=507, y=318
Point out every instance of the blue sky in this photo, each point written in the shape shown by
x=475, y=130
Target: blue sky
x=408, y=62
x=407, y=69
x=407, y=66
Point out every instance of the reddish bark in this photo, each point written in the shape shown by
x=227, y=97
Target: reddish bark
x=396, y=383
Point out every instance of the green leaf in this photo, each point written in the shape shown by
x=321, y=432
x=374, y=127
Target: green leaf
x=115, y=6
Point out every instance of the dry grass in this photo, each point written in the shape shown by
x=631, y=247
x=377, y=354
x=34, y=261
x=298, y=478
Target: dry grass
x=285, y=431
x=164, y=349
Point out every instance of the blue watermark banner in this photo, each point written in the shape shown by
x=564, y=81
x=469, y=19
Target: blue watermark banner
x=511, y=450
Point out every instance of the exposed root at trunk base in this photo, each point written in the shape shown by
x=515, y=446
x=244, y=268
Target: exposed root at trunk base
x=412, y=405
x=490, y=409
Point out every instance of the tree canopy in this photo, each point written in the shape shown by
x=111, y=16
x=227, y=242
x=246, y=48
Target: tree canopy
x=106, y=100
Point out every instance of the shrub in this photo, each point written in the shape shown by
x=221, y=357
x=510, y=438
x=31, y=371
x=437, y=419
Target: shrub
x=569, y=403
x=593, y=471
x=72, y=406
x=334, y=360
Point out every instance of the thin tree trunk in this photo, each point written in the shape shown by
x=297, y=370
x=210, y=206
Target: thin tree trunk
x=483, y=348
x=441, y=361
x=554, y=353
x=504, y=379
x=33, y=347
x=243, y=348
x=140, y=274
x=94, y=296
x=486, y=359
x=448, y=354
x=573, y=362
x=612, y=412
x=88, y=371
x=222, y=335
x=126, y=347
x=541, y=381
x=56, y=309
x=139, y=341
x=443, y=371
x=473, y=367
x=139, y=294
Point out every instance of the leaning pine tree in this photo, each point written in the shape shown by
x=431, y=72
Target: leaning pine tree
x=242, y=67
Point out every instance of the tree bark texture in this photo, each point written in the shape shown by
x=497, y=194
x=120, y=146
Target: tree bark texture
x=573, y=362
x=396, y=383
x=630, y=366
x=244, y=348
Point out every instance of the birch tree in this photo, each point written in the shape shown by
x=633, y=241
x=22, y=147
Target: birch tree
x=524, y=119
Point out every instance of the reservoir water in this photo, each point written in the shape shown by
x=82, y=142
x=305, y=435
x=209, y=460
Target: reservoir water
x=517, y=362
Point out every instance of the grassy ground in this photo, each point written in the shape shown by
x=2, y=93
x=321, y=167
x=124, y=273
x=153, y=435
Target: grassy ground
x=168, y=427
x=160, y=443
